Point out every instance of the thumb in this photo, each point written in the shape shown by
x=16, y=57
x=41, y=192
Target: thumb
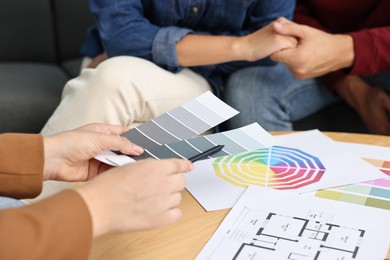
x=290, y=29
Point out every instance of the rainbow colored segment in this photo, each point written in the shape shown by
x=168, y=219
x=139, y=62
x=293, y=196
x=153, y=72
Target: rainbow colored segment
x=370, y=193
x=278, y=167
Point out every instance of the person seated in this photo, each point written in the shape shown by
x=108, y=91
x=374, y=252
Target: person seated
x=163, y=54
x=343, y=47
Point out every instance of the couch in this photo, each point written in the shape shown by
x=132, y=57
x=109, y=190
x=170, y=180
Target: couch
x=39, y=53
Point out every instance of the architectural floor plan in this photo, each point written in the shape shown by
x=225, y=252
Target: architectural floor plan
x=272, y=224
x=312, y=237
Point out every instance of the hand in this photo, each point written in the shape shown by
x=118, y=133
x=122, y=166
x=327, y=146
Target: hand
x=97, y=60
x=371, y=103
x=137, y=196
x=317, y=53
x=263, y=43
x=69, y=155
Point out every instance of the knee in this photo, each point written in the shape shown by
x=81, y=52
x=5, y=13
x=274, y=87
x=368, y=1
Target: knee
x=115, y=75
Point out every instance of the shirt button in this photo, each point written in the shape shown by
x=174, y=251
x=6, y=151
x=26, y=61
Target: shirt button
x=195, y=10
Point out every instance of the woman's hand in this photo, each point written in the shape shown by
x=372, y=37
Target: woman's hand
x=69, y=156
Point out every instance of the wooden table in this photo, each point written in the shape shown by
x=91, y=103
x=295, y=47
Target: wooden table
x=185, y=239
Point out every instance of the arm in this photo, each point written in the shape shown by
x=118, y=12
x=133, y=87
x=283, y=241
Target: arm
x=21, y=165
x=33, y=231
x=137, y=196
x=126, y=31
x=372, y=103
x=254, y=42
x=59, y=227
x=133, y=197
x=369, y=46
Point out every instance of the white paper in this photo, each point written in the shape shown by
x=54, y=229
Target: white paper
x=271, y=224
x=336, y=166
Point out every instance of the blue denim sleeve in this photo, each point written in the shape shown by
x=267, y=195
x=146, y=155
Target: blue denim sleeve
x=164, y=47
x=124, y=30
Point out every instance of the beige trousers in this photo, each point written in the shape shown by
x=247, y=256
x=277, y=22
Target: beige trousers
x=124, y=91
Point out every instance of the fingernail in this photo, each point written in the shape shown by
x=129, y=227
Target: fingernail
x=138, y=149
x=277, y=24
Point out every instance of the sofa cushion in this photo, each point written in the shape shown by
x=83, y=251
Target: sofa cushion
x=29, y=94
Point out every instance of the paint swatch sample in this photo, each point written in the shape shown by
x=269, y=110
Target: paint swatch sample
x=374, y=193
x=277, y=167
x=186, y=121
x=243, y=139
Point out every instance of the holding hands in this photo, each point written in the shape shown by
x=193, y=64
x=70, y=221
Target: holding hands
x=317, y=52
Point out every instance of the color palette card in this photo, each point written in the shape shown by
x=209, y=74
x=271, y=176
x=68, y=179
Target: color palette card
x=246, y=138
x=184, y=122
x=374, y=193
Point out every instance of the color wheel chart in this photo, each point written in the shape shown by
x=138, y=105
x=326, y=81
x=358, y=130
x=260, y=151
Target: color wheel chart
x=235, y=141
x=277, y=167
x=374, y=193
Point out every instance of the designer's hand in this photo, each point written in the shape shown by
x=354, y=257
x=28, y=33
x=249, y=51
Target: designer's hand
x=141, y=195
x=371, y=103
x=69, y=156
x=317, y=53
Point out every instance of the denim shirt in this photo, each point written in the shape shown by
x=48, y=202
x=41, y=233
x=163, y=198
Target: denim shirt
x=150, y=29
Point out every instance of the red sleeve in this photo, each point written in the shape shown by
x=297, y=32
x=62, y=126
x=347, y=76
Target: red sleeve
x=59, y=227
x=372, y=51
x=303, y=15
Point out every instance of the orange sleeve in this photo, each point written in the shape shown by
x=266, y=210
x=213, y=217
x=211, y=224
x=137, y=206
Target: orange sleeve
x=21, y=165
x=59, y=227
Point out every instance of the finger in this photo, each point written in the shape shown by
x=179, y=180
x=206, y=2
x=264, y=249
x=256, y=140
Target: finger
x=171, y=216
x=177, y=182
x=283, y=20
x=291, y=29
x=173, y=201
x=118, y=143
x=105, y=128
x=174, y=166
x=283, y=56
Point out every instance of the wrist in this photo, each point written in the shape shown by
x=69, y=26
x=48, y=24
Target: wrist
x=345, y=54
x=48, y=173
x=238, y=48
x=99, y=227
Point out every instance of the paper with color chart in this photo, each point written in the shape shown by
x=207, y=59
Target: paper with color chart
x=272, y=224
x=374, y=193
x=302, y=162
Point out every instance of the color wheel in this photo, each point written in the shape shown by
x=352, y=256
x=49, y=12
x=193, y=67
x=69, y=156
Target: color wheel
x=277, y=167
